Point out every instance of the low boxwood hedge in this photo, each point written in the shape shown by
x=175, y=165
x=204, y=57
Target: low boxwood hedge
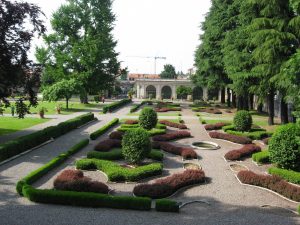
x=289, y=175
x=117, y=173
x=166, y=205
x=103, y=129
x=24, y=143
x=254, y=133
x=116, y=154
x=55, y=162
x=136, y=107
x=132, y=126
x=115, y=105
x=152, y=132
x=86, y=199
x=261, y=157
x=299, y=209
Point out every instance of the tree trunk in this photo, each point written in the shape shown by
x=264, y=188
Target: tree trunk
x=251, y=101
x=246, y=102
x=240, y=103
x=271, y=107
x=223, y=95
x=233, y=100
x=84, y=98
x=67, y=103
x=228, y=98
x=260, y=108
x=284, y=112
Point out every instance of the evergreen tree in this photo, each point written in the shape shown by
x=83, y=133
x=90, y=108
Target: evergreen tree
x=169, y=72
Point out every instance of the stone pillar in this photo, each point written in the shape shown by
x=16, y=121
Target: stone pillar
x=205, y=93
x=174, y=95
x=158, y=92
x=220, y=95
x=138, y=91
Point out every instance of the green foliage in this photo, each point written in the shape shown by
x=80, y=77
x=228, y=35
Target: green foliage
x=151, y=132
x=21, y=108
x=115, y=105
x=86, y=199
x=242, y=120
x=284, y=147
x=55, y=162
x=183, y=91
x=136, y=145
x=117, y=173
x=261, y=157
x=148, y=118
x=102, y=130
x=166, y=205
x=24, y=143
x=289, y=175
x=169, y=72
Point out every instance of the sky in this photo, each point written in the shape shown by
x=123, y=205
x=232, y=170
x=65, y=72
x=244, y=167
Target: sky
x=148, y=28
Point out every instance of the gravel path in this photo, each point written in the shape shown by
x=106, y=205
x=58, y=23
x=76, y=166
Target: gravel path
x=229, y=202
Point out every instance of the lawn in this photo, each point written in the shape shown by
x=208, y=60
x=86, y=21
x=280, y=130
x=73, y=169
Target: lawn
x=12, y=124
x=50, y=106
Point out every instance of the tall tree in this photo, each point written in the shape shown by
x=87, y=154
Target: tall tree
x=169, y=72
x=81, y=46
x=17, y=72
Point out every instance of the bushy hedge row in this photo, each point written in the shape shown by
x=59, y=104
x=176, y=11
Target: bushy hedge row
x=261, y=157
x=86, y=199
x=117, y=173
x=116, y=154
x=167, y=109
x=24, y=143
x=152, y=132
x=216, y=126
x=185, y=152
x=289, y=175
x=136, y=107
x=172, y=124
x=116, y=135
x=230, y=137
x=166, y=205
x=131, y=122
x=108, y=144
x=274, y=183
x=103, y=129
x=254, y=133
x=165, y=187
x=246, y=150
x=172, y=136
x=129, y=126
x=55, y=162
x=115, y=105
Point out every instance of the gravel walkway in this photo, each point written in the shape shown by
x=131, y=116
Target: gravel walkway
x=229, y=202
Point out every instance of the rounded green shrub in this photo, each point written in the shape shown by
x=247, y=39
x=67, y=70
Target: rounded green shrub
x=136, y=145
x=284, y=147
x=242, y=121
x=148, y=118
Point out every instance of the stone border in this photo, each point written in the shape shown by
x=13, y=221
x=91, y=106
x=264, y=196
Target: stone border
x=216, y=146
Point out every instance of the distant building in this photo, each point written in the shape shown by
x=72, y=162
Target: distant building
x=135, y=76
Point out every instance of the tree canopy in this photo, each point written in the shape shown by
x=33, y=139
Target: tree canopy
x=169, y=72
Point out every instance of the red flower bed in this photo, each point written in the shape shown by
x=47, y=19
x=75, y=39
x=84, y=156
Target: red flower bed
x=155, y=144
x=271, y=182
x=165, y=187
x=116, y=135
x=216, y=126
x=230, y=137
x=106, y=145
x=164, y=109
x=185, y=152
x=209, y=110
x=171, y=124
x=172, y=136
x=131, y=122
x=74, y=180
x=246, y=150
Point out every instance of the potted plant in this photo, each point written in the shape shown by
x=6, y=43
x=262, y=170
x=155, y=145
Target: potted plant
x=42, y=111
x=58, y=108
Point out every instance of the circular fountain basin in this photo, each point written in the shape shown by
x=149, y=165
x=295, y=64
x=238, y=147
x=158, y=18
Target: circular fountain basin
x=206, y=145
x=192, y=166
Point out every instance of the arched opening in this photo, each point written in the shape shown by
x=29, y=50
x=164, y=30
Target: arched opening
x=150, y=92
x=197, y=93
x=213, y=94
x=166, y=92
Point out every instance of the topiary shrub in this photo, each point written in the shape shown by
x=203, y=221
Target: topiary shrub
x=136, y=145
x=284, y=147
x=148, y=118
x=242, y=121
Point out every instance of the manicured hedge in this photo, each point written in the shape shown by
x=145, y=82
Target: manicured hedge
x=165, y=187
x=167, y=109
x=108, y=144
x=158, y=126
x=116, y=154
x=274, y=183
x=299, y=209
x=131, y=122
x=136, y=107
x=55, y=162
x=261, y=157
x=185, y=152
x=289, y=175
x=116, y=135
x=254, y=133
x=115, y=105
x=172, y=136
x=103, y=129
x=117, y=173
x=166, y=205
x=24, y=143
x=230, y=137
x=172, y=124
x=86, y=199
x=246, y=150
x=152, y=132
x=216, y=126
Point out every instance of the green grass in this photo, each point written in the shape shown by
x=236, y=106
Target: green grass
x=12, y=124
x=50, y=106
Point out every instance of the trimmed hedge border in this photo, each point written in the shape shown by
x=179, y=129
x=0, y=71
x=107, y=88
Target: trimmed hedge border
x=172, y=124
x=102, y=130
x=172, y=136
x=152, y=132
x=117, y=173
x=254, y=134
x=261, y=157
x=230, y=137
x=115, y=105
x=299, y=209
x=136, y=107
x=215, y=126
x=24, y=143
x=55, y=162
x=246, y=150
x=289, y=175
x=166, y=205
